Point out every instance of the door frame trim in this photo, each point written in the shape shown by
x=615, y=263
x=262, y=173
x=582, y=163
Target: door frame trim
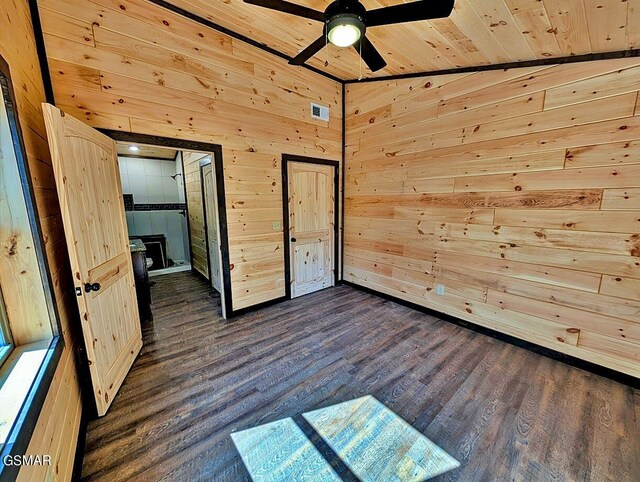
x=216, y=151
x=286, y=159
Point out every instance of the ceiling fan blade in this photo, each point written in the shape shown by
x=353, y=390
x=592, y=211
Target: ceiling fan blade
x=288, y=7
x=309, y=52
x=369, y=54
x=409, y=12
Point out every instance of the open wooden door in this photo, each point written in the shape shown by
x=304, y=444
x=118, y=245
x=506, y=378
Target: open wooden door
x=311, y=226
x=213, y=228
x=85, y=164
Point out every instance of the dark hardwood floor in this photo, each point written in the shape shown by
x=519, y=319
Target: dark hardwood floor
x=505, y=413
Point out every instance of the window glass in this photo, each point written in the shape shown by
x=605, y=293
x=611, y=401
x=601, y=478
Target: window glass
x=6, y=342
x=7, y=211
x=28, y=328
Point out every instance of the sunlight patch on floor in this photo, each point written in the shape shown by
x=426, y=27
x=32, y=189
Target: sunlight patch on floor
x=370, y=439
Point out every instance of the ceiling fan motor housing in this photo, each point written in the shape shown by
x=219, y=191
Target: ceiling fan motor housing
x=345, y=6
x=345, y=13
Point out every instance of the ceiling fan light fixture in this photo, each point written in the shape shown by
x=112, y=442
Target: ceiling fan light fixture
x=345, y=30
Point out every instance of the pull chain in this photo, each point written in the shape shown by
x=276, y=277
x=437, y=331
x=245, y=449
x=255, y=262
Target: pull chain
x=360, y=73
x=326, y=47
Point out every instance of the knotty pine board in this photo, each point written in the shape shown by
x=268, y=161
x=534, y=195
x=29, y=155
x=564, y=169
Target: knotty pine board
x=137, y=67
x=56, y=430
x=517, y=191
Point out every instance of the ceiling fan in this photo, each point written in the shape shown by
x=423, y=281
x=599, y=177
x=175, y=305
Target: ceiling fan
x=346, y=21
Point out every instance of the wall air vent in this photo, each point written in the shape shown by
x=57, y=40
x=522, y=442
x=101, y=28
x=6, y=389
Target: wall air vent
x=319, y=112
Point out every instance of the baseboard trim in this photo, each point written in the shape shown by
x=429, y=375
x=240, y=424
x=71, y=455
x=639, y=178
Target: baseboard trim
x=249, y=309
x=89, y=409
x=617, y=376
x=78, y=458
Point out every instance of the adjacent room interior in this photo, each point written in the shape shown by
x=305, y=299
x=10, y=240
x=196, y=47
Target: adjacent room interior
x=155, y=205
x=354, y=240
x=171, y=208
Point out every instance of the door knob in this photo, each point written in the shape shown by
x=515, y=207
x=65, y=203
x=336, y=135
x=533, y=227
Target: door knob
x=293, y=240
x=88, y=287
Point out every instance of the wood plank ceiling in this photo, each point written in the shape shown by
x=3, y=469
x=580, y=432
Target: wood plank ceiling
x=150, y=152
x=478, y=32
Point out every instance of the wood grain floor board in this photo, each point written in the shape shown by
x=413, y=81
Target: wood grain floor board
x=505, y=413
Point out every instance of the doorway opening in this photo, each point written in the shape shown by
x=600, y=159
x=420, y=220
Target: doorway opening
x=169, y=210
x=310, y=201
x=154, y=195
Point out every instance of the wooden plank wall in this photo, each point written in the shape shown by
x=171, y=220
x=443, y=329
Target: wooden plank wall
x=195, y=203
x=518, y=191
x=134, y=66
x=57, y=428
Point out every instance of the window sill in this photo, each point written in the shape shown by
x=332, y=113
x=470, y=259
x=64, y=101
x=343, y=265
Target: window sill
x=24, y=382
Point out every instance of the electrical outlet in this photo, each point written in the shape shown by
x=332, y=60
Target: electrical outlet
x=276, y=226
x=440, y=290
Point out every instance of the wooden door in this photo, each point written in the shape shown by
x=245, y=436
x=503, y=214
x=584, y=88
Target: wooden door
x=211, y=213
x=87, y=178
x=311, y=226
